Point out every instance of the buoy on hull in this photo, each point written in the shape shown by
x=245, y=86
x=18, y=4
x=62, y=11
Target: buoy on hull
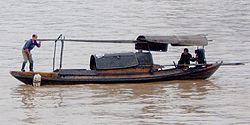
x=37, y=80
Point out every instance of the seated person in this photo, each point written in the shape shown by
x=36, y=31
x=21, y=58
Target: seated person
x=186, y=57
x=200, y=56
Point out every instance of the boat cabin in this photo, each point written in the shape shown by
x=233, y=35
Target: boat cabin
x=121, y=61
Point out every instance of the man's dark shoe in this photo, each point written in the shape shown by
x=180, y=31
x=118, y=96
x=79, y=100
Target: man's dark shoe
x=22, y=70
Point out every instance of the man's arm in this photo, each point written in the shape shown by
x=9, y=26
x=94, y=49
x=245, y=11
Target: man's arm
x=192, y=58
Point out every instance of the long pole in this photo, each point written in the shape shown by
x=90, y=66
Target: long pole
x=223, y=64
x=98, y=41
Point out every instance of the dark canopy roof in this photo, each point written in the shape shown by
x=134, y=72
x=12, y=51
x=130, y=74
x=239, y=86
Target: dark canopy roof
x=187, y=40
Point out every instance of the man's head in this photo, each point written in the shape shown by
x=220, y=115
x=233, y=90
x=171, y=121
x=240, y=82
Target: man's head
x=34, y=37
x=185, y=51
x=196, y=51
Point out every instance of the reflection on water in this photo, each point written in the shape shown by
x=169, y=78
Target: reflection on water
x=33, y=98
x=148, y=101
x=195, y=89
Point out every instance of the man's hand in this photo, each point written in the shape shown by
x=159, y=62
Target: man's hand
x=192, y=59
x=39, y=43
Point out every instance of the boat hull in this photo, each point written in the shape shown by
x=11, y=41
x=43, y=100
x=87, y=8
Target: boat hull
x=128, y=76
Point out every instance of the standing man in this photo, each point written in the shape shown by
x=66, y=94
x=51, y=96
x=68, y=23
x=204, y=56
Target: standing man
x=28, y=46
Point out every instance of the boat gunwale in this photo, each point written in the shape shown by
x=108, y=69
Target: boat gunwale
x=101, y=79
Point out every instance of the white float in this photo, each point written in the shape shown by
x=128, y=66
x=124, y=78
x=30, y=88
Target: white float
x=37, y=80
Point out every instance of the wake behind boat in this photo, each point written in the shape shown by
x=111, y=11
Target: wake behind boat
x=132, y=67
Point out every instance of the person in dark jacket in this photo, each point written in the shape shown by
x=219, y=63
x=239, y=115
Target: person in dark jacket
x=26, y=51
x=200, y=56
x=186, y=57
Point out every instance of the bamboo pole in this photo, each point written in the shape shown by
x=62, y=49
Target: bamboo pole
x=98, y=41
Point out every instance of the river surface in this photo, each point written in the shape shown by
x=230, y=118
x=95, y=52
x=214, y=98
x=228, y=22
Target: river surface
x=223, y=99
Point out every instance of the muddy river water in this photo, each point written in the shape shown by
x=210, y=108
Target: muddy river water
x=222, y=99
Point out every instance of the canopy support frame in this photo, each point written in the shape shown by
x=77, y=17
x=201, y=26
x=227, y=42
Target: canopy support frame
x=54, y=57
x=61, y=55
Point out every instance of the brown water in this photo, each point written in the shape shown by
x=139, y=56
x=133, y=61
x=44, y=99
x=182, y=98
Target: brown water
x=222, y=99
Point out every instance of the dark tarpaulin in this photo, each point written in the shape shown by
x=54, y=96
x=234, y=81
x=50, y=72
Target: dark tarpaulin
x=144, y=58
x=143, y=44
x=150, y=46
x=120, y=60
x=159, y=43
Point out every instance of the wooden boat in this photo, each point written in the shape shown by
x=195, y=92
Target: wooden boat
x=132, y=67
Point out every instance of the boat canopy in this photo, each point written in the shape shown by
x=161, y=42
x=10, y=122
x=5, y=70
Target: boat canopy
x=120, y=60
x=155, y=42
